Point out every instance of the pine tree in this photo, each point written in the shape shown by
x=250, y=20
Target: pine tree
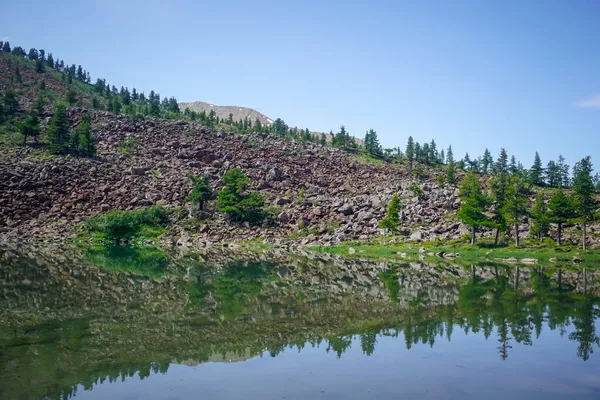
x=391, y=221
x=486, y=162
x=433, y=153
x=11, y=103
x=450, y=172
x=473, y=203
x=71, y=97
x=583, y=193
x=82, y=142
x=6, y=47
x=498, y=186
x=39, y=66
x=33, y=54
x=512, y=167
x=561, y=210
x=200, y=193
x=442, y=157
x=18, y=76
x=501, y=166
x=516, y=204
x=540, y=217
x=563, y=169
x=467, y=161
x=371, y=143
x=30, y=126
x=58, y=130
x=410, y=153
x=50, y=61
x=536, y=173
x=553, y=177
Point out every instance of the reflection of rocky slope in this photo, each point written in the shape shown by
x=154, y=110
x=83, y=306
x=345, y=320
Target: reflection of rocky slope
x=64, y=323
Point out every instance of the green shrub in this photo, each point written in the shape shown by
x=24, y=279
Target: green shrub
x=239, y=205
x=116, y=225
x=417, y=190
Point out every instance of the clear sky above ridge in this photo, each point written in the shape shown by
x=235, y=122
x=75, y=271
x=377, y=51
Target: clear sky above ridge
x=524, y=75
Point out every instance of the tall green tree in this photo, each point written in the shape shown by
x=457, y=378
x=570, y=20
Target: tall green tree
x=410, y=153
x=553, y=176
x=82, y=142
x=486, y=162
x=391, y=221
x=473, y=203
x=583, y=193
x=536, y=173
x=450, y=167
x=515, y=207
x=499, y=185
x=58, y=130
x=501, y=166
x=30, y=126
x=71, y=97
x=561, y=211
x=11, y=103
x=201, y=192
x=540, y=218
x=563, y=169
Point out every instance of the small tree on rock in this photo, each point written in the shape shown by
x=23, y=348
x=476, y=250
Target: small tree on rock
x=200, y=193
x=391, y=221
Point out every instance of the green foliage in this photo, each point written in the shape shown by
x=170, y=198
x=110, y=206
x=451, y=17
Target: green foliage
x=450, y=168
x=58, y=130
x=540, y=217
x=410, y=152
x=71, y=97
x=417, y=190
x=583, y=190
x=10, y=104
x=440, y=180
x=30, y=126
x=371, y=144
x=127, y=146
x=391, y=221
x=516, y=203
x=82, y=142
x=536, y=172
x=117, y=225
x=473, y=203
x=200, y=193
x=561, y=210
x=239, y=205
x=499, y=186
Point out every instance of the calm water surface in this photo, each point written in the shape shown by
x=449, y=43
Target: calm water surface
x=129, y=324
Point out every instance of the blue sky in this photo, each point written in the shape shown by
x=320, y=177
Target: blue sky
x=524, y=75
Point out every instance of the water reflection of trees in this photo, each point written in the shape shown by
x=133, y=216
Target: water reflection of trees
x=242, y=308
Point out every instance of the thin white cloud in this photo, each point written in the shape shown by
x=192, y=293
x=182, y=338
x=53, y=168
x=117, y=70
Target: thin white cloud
x=4, y=38
x=589, y=102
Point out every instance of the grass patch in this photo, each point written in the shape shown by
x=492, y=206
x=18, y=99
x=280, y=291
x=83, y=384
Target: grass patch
x=483, y=253
x=146, y=223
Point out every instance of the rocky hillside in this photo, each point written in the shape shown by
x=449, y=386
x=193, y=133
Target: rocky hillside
x=147, y=161
x=224, y=111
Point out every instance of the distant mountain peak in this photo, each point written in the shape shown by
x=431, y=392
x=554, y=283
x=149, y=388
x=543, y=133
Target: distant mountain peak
x=224, y=111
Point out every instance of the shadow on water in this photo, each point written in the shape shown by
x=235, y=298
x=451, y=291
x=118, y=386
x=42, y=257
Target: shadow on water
x=72, y=319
